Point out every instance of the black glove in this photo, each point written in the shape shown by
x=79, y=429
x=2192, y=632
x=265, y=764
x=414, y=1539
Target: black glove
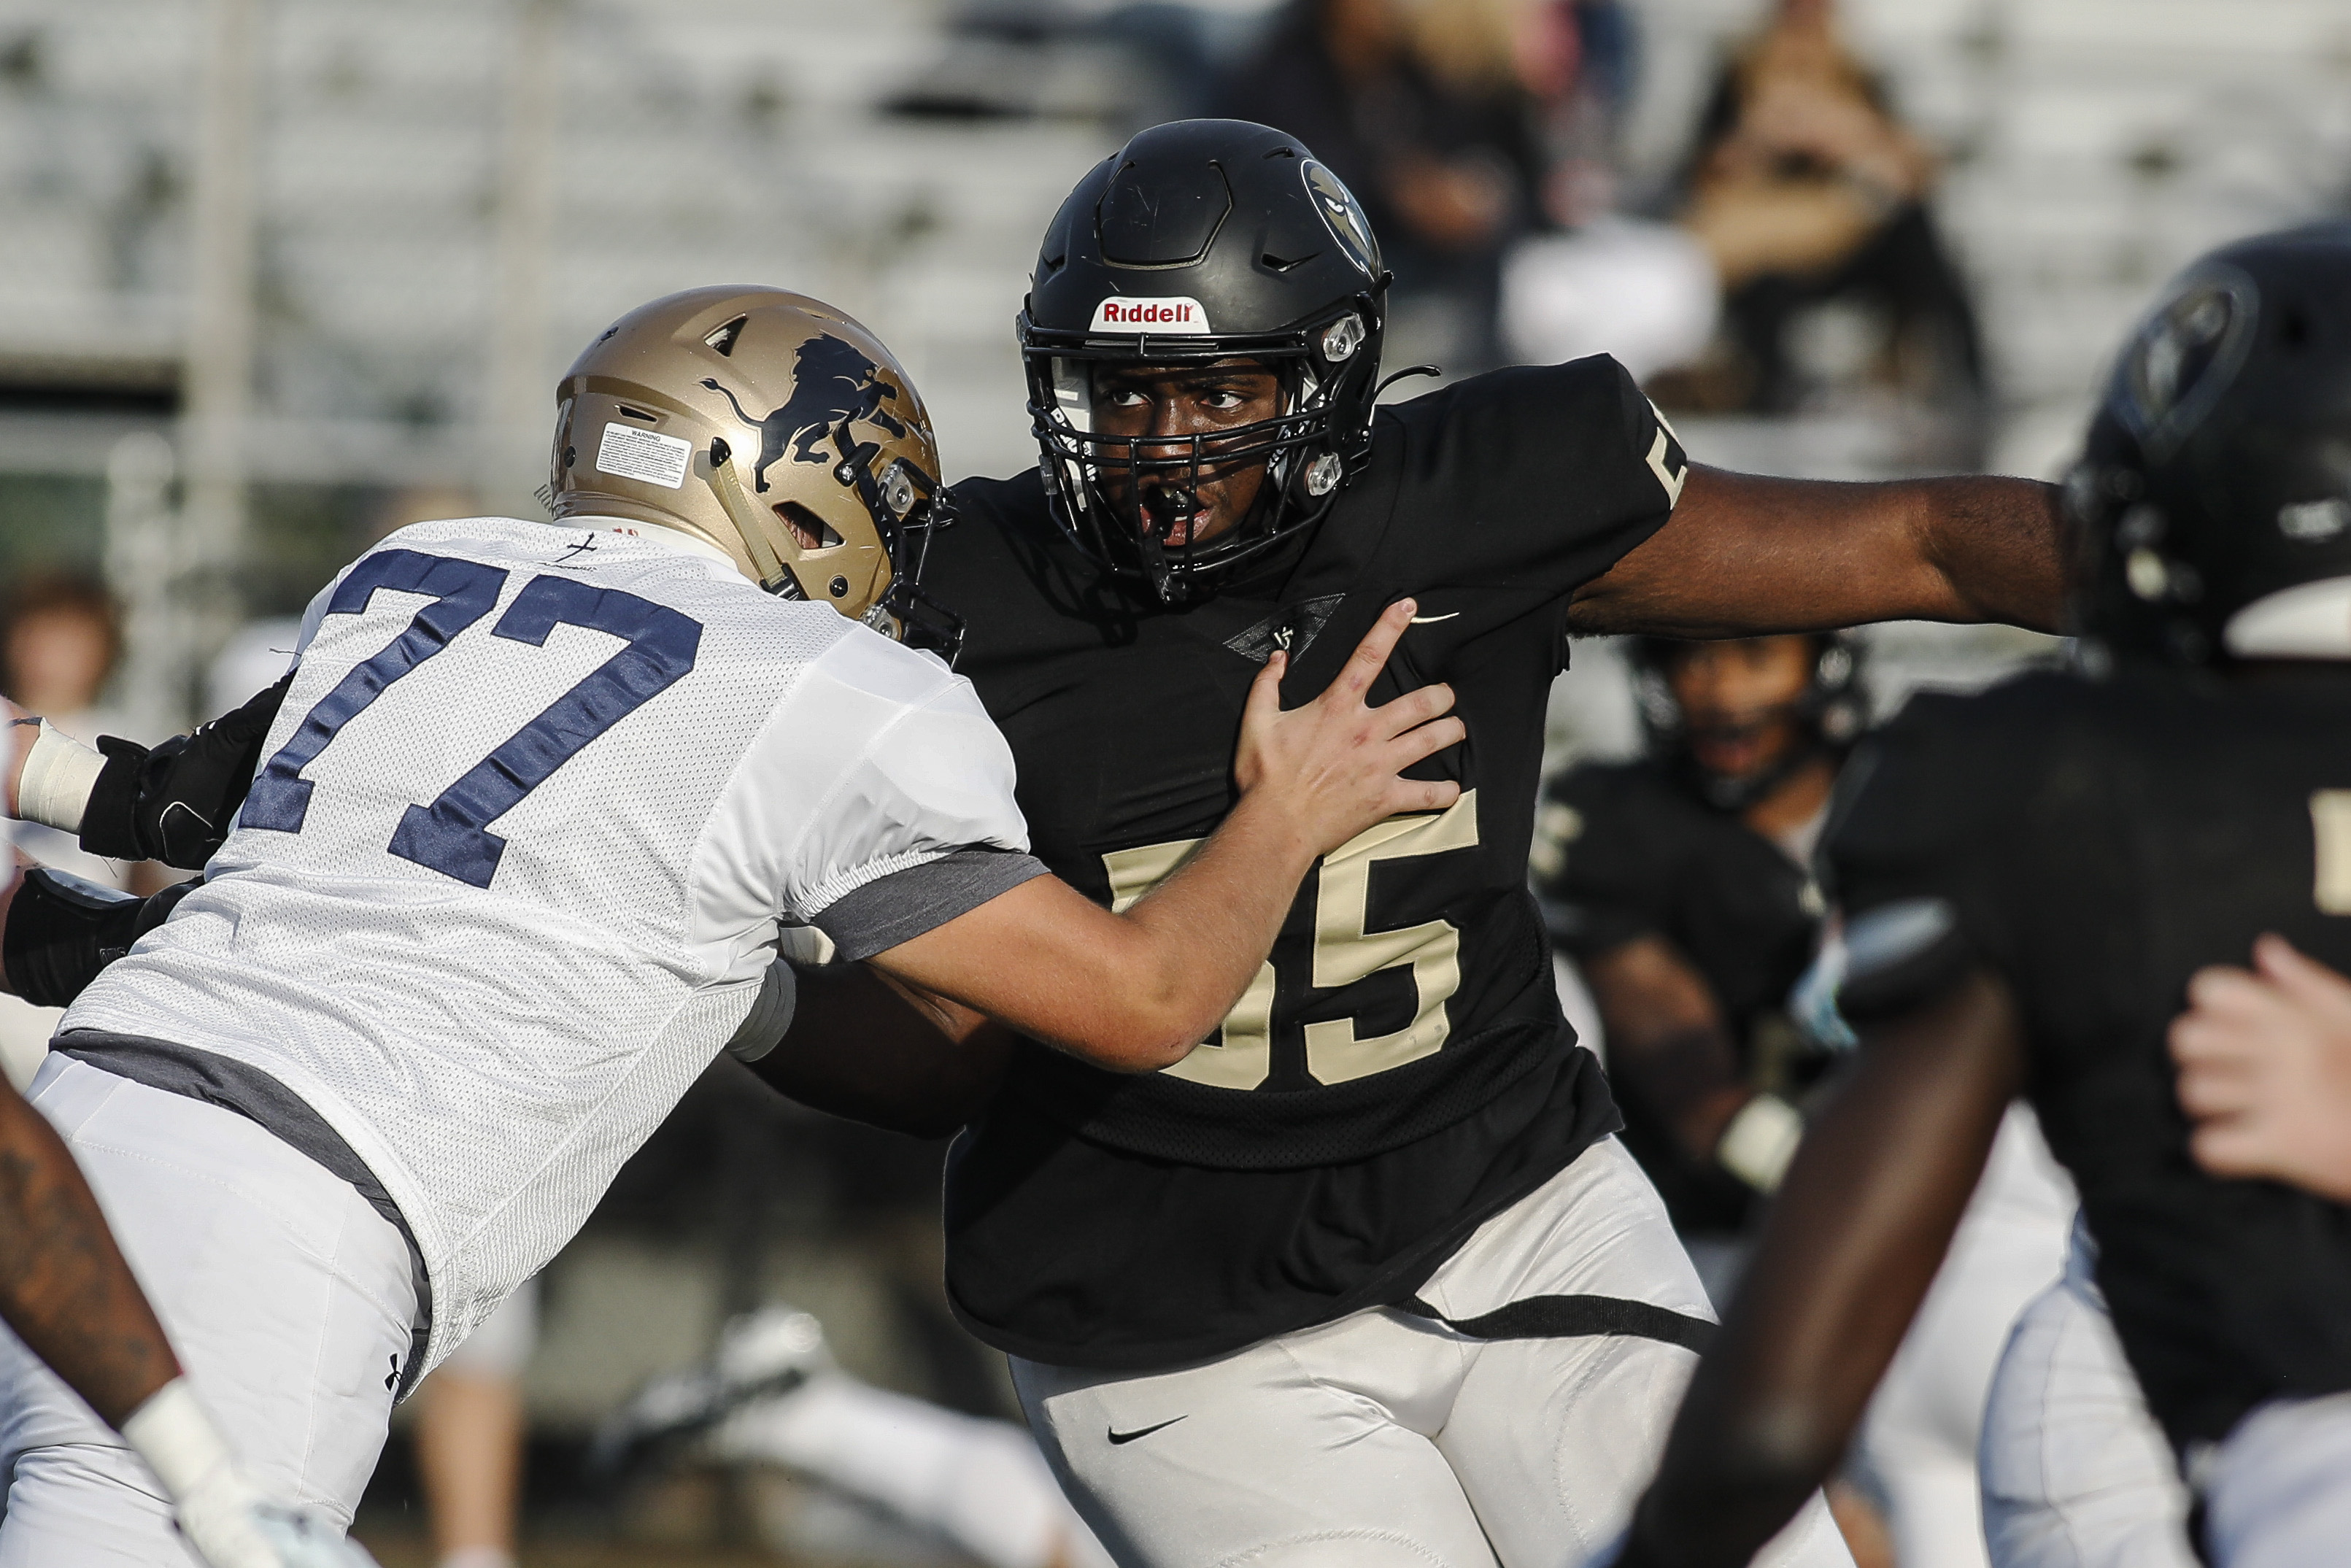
x=173, y=804
x=62, y=931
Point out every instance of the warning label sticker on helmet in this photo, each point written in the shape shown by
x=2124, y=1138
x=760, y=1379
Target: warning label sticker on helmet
x=1177, y=315
x=646, y=455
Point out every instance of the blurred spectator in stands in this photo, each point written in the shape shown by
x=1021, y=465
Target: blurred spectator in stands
x=1421, y=108
x=1805, y=188
x=60, y=637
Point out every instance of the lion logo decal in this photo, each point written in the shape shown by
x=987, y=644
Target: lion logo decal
x=833, y=383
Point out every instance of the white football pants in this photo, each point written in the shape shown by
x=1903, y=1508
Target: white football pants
x=1385, y=1440
x=2076, y=1474
x=1919, y=1438
x=981, y=1484
x=289, y=1299
x=2277, y=1492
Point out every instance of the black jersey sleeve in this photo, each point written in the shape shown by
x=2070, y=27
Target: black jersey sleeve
x=1604, y=867
x=1911, y=854
x=1538, y=478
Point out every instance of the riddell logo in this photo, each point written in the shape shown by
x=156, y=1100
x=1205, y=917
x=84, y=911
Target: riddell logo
x=1178, y=315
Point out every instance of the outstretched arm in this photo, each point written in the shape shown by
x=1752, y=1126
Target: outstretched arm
x=1860, y=1227
x=1743, y=555
x=1136, y=991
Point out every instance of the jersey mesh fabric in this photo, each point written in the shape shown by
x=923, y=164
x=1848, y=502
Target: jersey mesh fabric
x=495, y=1052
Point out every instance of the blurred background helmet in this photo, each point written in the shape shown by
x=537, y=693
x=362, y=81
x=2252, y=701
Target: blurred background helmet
x=2213, y=504
x=772, y=426
x=1198, y=241
x=1831, y=710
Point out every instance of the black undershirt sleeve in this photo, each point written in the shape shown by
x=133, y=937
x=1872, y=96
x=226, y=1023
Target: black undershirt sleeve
x=62, y=931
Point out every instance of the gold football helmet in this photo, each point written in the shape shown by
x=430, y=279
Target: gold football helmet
x=774, y=427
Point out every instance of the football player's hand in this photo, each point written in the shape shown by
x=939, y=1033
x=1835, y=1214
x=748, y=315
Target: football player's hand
x=1333, y=765
x=2264, y=1059
x=232, y=1526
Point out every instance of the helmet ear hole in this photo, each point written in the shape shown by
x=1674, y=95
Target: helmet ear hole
x=809, y=530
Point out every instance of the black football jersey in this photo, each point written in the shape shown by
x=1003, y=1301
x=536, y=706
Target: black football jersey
x=1400, y=1068
x=2095, y=845
x=1626, y=849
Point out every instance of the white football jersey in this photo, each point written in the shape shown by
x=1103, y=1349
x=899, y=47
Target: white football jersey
x=515, y=862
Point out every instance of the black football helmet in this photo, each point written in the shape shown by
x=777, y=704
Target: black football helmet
x=2217, y=470
x=1831, y=712
x=1198, y=241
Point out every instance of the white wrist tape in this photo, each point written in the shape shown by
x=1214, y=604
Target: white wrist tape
x=770, y=1015
x=60, y=774
x=178, y=1440
x=1760, y=1141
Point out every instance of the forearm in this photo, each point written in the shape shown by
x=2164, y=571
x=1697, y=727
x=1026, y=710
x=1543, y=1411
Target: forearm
x=57, y=932
x=172, y=803
x=1999, y=545
x=63, y=1286
x=1743, y=556
x=1668, y=1047
x=1689, y=1078
x=1135, y=991
x=1848, y=1254
x=1196, y=940
x=873, y=1052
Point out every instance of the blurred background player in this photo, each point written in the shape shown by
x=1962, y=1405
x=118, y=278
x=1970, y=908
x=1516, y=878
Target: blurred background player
x=470, y=1437
x=1683, y=886
x=772, y=1396
x=2032, y=878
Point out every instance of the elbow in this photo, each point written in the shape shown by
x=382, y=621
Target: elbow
x=1145, y=1042
x=1146, y=1033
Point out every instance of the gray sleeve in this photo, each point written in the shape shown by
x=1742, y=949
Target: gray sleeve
x=903, y=905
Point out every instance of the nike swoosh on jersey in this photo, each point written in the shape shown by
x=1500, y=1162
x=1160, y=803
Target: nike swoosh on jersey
x=1425, y=619
x=1117, y=1438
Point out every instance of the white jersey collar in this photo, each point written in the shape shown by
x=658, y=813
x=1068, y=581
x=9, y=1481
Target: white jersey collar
x=658, y=534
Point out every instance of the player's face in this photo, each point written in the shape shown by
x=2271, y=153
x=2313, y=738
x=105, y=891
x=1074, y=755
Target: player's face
x=1738, y=699
x=1180, y=504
